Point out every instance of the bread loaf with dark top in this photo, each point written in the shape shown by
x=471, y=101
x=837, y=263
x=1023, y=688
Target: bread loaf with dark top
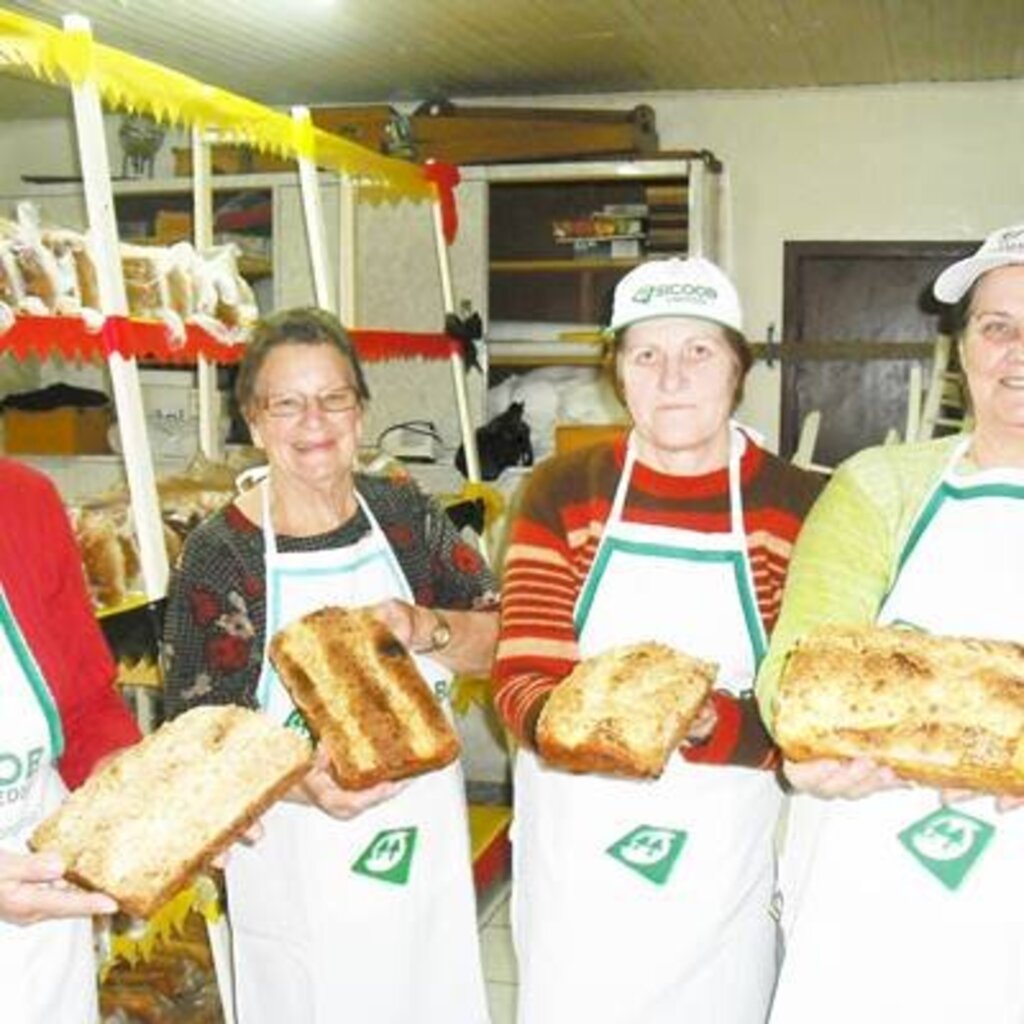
x=363, y=697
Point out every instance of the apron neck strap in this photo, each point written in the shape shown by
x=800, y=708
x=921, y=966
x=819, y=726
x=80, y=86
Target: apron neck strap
x=737, y=446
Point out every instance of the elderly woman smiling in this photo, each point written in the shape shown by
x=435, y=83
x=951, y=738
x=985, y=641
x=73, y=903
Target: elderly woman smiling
x=681, y=535
x=317, y=933
x=931, y=535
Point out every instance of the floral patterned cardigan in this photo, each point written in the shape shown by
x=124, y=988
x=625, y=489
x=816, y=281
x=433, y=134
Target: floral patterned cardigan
x=216, y=613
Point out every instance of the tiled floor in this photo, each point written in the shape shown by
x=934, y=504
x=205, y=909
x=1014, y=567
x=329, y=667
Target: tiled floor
x=498, y=957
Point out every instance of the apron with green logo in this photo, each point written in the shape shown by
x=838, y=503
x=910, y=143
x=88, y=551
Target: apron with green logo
x=370, y=919
x=47, y=970
x=911, y=910
x=647, y=902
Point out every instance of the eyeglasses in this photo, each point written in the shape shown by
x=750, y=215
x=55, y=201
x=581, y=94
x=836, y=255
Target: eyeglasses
x=291, y=405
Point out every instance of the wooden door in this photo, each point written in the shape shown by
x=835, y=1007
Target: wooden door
x=856, y=292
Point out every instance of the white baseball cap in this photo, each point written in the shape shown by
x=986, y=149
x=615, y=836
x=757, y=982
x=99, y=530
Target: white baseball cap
x=676, y=287
x=1001, y=249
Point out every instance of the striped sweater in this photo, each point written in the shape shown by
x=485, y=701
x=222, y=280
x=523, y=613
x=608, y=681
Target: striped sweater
x=553, y=543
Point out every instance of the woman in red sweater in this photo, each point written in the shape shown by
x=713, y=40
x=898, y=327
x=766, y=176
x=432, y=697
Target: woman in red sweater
x=59, y=716
x=648, y=902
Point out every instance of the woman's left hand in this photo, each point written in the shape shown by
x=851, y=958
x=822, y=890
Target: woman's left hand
x=472, y=634
x=402, y=619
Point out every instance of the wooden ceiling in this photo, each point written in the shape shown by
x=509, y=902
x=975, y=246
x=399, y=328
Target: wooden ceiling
x=356, y=51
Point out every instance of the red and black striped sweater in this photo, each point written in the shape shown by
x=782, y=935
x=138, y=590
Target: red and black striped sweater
x=555, y=537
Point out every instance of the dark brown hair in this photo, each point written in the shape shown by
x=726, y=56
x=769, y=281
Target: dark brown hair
x=302, y=326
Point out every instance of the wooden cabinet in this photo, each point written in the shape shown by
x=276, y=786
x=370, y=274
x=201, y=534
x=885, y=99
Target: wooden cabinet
x=561, y=235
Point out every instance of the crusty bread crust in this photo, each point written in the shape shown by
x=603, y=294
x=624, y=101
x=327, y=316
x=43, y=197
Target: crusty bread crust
x=623, y=712
x=946, y=711
x=143, y=826
x=363, y=697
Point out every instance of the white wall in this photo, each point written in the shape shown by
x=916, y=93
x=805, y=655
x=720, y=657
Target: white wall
x=867, y=163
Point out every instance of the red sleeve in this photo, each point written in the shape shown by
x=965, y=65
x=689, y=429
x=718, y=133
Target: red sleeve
x=41, y=571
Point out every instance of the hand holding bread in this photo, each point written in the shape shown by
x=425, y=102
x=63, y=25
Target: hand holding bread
x=320, y=789
x=624, y=711
x=33, y=889
x=829, y=778
x=945, y=711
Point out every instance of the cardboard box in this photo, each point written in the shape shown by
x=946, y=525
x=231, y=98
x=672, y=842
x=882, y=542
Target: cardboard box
x=233, y=160
x=570, y=436
x=65, y=431
x=171, y=226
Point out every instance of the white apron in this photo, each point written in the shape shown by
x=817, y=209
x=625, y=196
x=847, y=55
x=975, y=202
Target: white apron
x=641, y=902
x=371, y=919
x=47, y=970
x=897, y=909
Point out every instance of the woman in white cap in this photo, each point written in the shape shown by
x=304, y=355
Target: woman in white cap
x=680, y=534
x=930, y=534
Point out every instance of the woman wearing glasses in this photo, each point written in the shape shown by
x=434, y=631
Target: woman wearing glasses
x=318, y=931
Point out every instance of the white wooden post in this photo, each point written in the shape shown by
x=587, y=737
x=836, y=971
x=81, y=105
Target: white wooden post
x=202, y=237
x=696, y=211
x=457, y=365
x=348, y=255
x=99, y=202
x=309, y=185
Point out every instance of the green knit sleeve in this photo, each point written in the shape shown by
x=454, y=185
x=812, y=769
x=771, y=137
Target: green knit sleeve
x=846, y=556
x=840, y=571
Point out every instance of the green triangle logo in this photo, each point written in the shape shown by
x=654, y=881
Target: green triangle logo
x=299, y=724
x=388, y=858
x=948, y=843
x=649, y=851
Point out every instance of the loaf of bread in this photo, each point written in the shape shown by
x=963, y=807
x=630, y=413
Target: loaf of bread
x=149, y=820
x=947, y=711
x=363, y=697
x=623, y=712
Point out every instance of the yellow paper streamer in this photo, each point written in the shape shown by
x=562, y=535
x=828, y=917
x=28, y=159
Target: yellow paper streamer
x=140, y=943
x=141, y=87
x=470, y=690
x=493, y=499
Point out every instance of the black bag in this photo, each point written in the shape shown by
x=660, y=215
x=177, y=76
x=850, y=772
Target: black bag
x=501, y=442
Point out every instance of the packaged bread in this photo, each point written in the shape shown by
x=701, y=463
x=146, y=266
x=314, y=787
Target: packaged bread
x=222, y=293
x=624, y=711
x=78, y=286
x=363, y=697
x=947, y=711
x=142, y=826
x=31, y=269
